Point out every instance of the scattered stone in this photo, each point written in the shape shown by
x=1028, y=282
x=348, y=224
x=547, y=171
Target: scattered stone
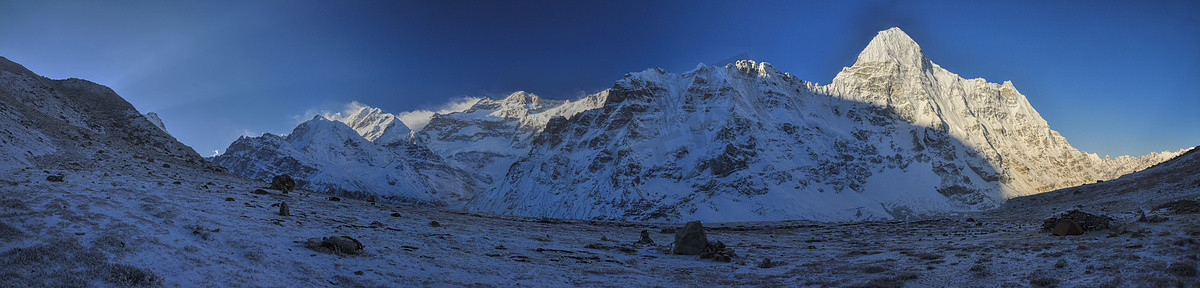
x=372, y=199
x=397, y=214
x=359, y=272
x=165, y=165
x=283, y=209
x=767, y=263
x=230, y=199
x=603, y=238
x=1150, y=219
x=1067, y=227
x=257, y=191
x=283, y=183
x=690, y=240
x=334, y=198
x=203, y=233
x=335, y=244
x=646, y=238
x=1086, y=221
x=718, y=252
x=1179, y=207
x=54, y=178
x=434, y=224
x=177, y=182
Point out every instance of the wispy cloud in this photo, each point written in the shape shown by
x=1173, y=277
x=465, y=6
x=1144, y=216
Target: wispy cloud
x=417, y=119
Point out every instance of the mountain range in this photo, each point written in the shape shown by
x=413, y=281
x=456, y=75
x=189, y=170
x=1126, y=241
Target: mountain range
x=894, y=136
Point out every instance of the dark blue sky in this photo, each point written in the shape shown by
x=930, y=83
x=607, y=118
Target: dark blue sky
x=1113, y=77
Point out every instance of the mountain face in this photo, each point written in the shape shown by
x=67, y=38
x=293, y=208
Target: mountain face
x=76, y=119
x=893, y=136
x=994, y=119
x=493, y=134
x=329, y=156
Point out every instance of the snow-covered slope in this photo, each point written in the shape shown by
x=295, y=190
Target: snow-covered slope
x=328, y=156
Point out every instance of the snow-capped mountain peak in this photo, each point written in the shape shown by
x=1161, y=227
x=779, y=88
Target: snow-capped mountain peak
x=893, y=45
x=153, y=117
x=370, y=122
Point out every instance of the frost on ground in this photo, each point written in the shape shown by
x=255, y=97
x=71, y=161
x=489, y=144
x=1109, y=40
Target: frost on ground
x=124, y=221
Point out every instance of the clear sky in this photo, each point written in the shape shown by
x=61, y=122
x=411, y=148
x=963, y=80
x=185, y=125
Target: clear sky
x=1114, y=77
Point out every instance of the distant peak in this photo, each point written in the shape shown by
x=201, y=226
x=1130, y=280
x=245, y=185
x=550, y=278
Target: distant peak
x=153, y=117
x=892, y=45
x=522, y=98
x=762, y=69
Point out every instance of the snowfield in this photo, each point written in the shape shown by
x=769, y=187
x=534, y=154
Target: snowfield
x=123, y=221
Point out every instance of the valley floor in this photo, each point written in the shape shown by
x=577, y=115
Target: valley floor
x=127, y=223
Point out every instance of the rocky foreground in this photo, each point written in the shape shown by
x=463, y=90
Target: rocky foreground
x=134, y=221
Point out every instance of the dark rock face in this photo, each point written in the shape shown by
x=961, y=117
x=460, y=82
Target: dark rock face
x=690, y=240
x=1067, y=227
x=335, y=244
x=283, y=183
x=1087, y=221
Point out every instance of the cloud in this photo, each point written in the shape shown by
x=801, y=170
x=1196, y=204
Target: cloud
x=417, y=119
x=351, y=108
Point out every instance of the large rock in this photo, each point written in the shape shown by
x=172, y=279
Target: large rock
x=1087, y=221
x=690, y=240
x=283, y=183
x=1067, y=227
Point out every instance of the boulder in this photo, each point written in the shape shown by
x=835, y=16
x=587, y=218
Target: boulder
x=335, y=244
x=690, y=240
x=1067, y=227
x=283, y=209
x=283, y=183
x=54, y=178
